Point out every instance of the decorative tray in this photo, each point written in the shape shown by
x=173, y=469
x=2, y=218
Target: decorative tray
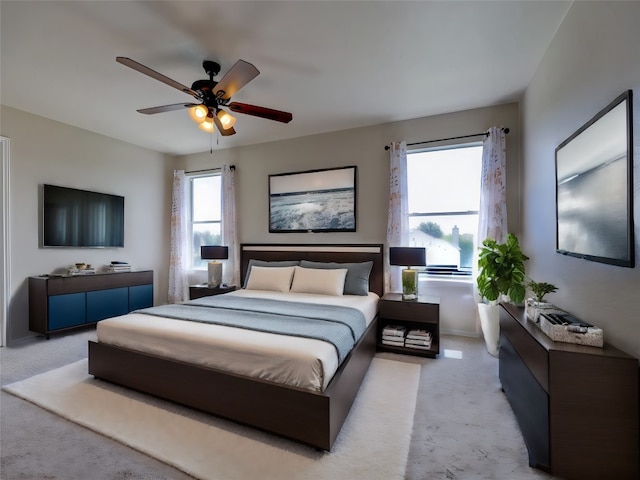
x=561, y=326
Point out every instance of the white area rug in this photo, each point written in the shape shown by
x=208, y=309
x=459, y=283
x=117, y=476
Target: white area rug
x=373, y=444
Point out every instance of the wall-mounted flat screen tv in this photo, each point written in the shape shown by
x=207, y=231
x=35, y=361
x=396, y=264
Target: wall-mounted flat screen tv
x=594, y=188
x=80, y=218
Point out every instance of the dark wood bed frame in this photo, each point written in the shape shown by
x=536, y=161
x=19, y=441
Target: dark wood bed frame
x=312, y=418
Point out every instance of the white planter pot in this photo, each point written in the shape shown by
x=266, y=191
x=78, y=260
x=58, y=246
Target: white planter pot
x=490, y=324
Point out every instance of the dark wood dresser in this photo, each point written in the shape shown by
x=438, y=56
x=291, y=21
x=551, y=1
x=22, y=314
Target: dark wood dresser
x=577, y=406
x=61, y=303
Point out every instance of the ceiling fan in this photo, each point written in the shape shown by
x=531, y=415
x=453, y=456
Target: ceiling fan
x=212, y=96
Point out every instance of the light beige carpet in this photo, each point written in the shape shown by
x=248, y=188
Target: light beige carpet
x=373, y=444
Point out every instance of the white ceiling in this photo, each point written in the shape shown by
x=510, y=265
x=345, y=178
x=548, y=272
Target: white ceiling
x=334, y=64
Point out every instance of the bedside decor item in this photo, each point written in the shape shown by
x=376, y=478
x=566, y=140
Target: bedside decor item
x=408, y=257
x=501, y=267
x=214, y=269
x=313, y=201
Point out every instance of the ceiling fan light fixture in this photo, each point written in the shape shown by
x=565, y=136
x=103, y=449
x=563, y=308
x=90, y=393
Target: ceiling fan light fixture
x=198, y=113
x=206, y=125
x=226, y=119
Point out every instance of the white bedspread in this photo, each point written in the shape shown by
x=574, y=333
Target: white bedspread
x=295, y=361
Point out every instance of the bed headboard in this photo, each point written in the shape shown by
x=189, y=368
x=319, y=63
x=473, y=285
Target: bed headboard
x=341, y=253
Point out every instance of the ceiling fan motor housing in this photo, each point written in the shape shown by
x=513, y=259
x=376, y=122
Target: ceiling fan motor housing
x=207, y=87
x=212, y=68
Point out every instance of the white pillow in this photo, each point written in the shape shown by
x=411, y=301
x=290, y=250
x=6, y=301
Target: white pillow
x=276, y=279
x=314, y=280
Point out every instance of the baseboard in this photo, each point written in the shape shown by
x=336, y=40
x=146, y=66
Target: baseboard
x=460, y=333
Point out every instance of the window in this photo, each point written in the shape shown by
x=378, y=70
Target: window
x=444, y=199
x=205, y=226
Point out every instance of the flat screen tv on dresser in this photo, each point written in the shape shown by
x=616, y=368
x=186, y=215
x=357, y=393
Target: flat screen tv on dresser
x=81, y=218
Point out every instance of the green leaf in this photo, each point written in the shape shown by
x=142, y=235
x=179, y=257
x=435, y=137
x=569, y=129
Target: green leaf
x=502, y=270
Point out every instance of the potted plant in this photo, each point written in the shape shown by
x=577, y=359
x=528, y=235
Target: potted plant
x=501, y=274
x=540, y=289
x=535, y=305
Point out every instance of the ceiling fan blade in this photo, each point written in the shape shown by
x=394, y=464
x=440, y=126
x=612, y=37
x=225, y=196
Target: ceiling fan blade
x=158, y=76
x=167, y=108
x=262, y=112
x=223, y=132
x=236, y=78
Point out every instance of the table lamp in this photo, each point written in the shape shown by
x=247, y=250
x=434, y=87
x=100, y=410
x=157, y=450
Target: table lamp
x=214, y=269
x=408, y=257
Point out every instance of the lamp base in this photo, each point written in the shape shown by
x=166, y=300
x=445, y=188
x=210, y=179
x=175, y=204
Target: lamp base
x=409, y=284
x=214, y=270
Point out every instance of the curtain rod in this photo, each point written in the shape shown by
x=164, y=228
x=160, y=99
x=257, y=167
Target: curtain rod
x=485, y=134
x=232, y=167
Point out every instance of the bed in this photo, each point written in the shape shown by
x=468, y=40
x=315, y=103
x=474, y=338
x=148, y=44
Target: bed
x=312, y=413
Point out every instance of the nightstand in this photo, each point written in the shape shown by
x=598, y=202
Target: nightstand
x=422, y=313
x=204, y=290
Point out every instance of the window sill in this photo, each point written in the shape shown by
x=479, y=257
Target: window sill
x=444, y=279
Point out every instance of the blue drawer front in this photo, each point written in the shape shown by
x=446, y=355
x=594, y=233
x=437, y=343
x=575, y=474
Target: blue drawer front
x=140, y=296
x=107, y=303
x=66, y=310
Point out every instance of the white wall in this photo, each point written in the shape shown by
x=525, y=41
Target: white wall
x=593, y=58
x=363, y=147
x=44, y=151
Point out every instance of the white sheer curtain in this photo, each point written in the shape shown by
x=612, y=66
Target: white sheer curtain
x=398, y=216
x=231, y=274
x=492, y=216
x=178, y=279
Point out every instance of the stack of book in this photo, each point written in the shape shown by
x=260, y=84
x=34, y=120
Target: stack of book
x=420, y=339
x=393, y=335
x=82, y=271
x=119, y=267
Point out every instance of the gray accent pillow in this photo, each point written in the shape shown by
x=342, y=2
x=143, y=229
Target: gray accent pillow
x=264, y=263
x=357, y=281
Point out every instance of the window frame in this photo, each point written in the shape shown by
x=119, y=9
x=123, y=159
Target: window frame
x=439, y=271
x=191, y=177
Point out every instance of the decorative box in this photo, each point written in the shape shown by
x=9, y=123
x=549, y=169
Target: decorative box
x=580, y=333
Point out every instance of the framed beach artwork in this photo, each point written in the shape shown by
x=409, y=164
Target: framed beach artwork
x=313, y=201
